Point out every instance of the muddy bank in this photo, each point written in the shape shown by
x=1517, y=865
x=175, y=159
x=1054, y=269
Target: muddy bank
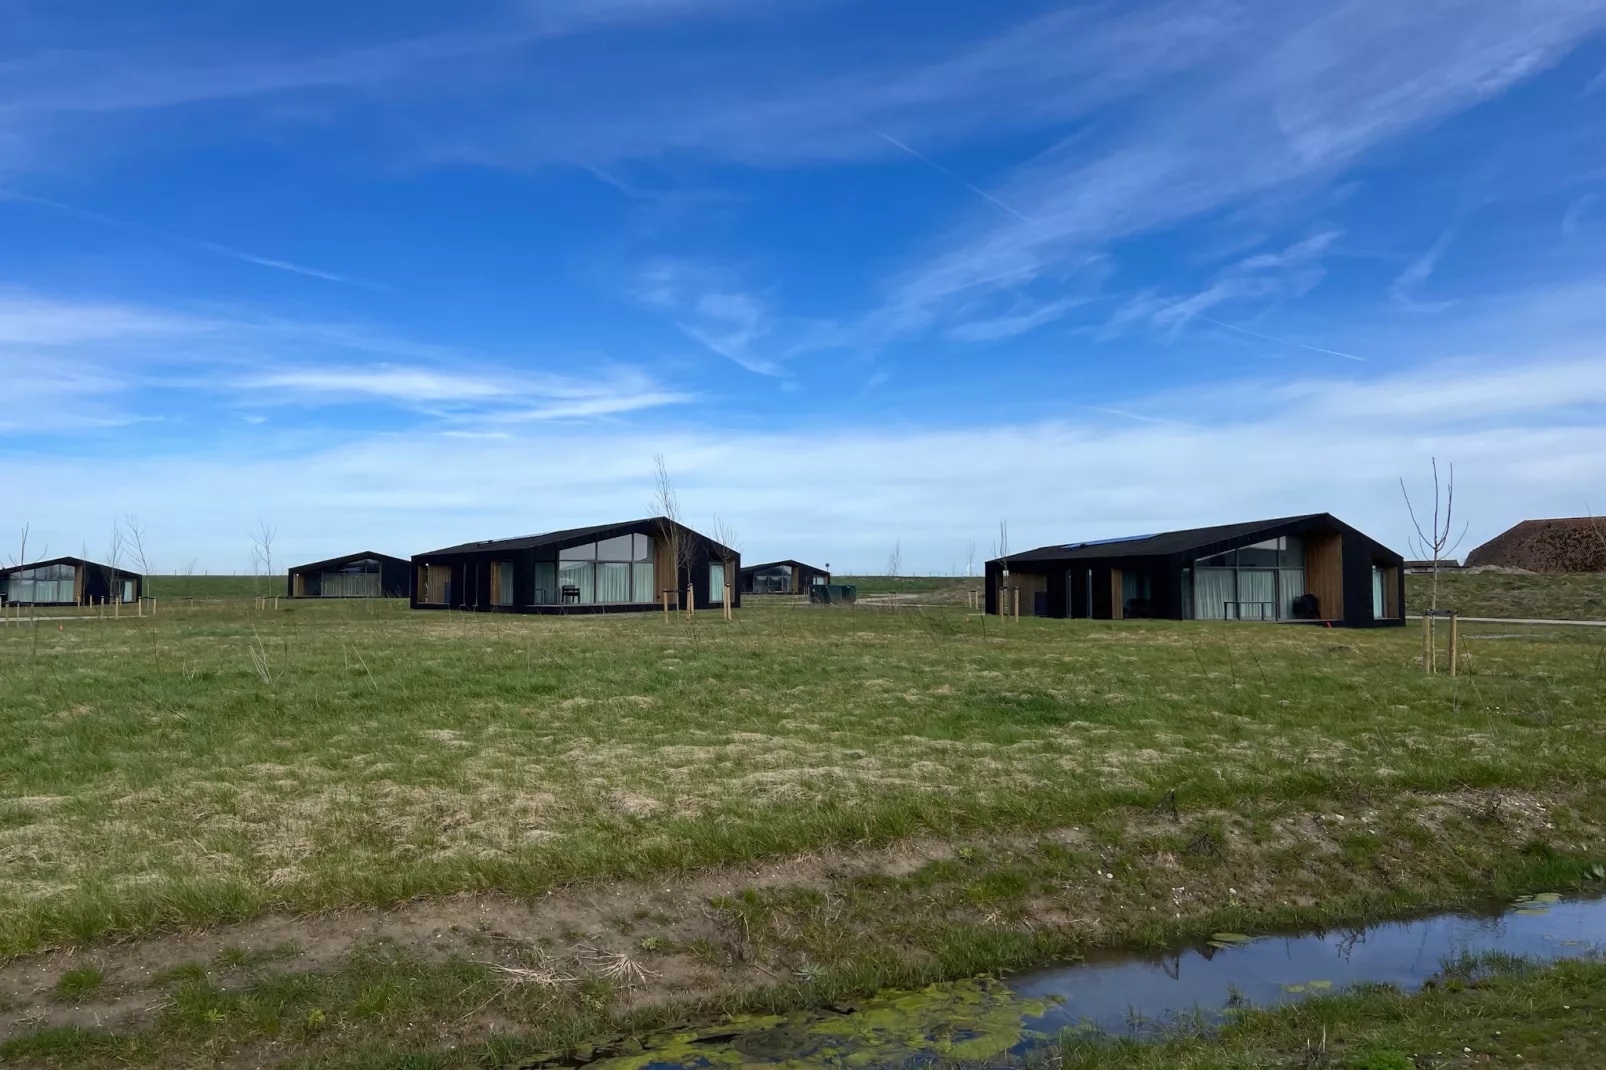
x=806, y=929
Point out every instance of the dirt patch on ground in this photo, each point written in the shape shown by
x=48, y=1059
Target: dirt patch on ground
x=578, y=925
x=678, y=938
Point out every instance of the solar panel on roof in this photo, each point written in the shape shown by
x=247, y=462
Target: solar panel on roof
x=1106, y=542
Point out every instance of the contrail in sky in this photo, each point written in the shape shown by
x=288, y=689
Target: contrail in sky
x=192, y=243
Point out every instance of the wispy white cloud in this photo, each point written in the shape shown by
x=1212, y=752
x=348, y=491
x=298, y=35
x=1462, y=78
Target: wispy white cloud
x=1536, y=447
x=479, y=394
x=1023, y=317
x=1408, y=282
x=1262, y=278
x=100, y=364
x=1574, y=216
x=1300, y=101
x=710, y=308
x=31, y=320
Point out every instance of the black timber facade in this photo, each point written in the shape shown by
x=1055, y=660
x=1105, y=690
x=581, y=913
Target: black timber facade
x=360, y=575
x=546, y=573
x=68, y=581
x=781, y=577
x=1350, y=578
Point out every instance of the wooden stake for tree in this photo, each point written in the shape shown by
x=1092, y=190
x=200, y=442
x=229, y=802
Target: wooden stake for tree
x=1427, y=643
x=691, y=604
x=1453, y=637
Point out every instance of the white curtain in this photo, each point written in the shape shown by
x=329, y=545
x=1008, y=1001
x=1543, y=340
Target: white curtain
x=350, y=585
x=613, y=581
x=1213, y=588
x=645, y=589
x=716, y=581
x=1257, y=594
x=576, y=574
x=1293, y=585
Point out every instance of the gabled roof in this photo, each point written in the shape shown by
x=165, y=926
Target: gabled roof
x=64, y=561
x=773, y=564
x=567, y=535
x=1164, y=543
x=360, y=555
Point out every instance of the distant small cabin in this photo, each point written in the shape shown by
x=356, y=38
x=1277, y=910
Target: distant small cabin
x=1300, y=568
x=782, y=577
x=360, y=575
x=68, y=581
x=607, y=568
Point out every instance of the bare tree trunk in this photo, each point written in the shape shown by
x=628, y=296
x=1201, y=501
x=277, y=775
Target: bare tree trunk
x=1435, y=542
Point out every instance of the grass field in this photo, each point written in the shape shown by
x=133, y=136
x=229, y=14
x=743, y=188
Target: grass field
x=214, y=763
x=1536, y=595
x=174, y=587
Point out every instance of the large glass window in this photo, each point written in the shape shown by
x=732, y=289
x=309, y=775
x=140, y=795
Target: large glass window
x=643, y=589
x=354, y=579
x=1215, y=593
x=1291, y=583
x=1256, y=582
x=546, y=583
x=774, y=580
x=613, y=581
x=716, y=581
x=620, y=548
x=577, y=581
x=49, y=583
x=1257, y=594
x=613, y=570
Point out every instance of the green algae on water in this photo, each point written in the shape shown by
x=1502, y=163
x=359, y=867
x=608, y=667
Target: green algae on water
x=967, y=1022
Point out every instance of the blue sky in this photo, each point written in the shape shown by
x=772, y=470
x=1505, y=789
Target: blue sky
x=403, y=275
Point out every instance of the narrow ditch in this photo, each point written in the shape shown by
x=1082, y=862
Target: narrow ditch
x=984, y=1020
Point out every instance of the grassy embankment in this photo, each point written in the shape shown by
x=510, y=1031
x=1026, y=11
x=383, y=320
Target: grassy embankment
x=1542, y=596
x=175, y=587
x=211, y=764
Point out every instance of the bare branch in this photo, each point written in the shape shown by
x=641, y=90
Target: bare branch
x=1439, y=540
x=136, y=543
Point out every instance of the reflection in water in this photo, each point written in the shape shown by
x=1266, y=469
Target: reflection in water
x=986, y=1021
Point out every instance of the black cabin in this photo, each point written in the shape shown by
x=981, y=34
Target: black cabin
x=68, y=581
x=360, y=575
x=607, y=568
x=781, y=577
x=1300, y=568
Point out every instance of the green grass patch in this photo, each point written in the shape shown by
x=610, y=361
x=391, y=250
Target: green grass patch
x=209, y=763
x=79, y=982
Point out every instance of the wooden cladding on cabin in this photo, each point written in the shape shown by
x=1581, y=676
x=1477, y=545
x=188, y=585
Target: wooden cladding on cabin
x=1117, y=601
x=1028, y=585
x=664, y=571
x=1324, y=572
x=1391, y=594
x=434, y=584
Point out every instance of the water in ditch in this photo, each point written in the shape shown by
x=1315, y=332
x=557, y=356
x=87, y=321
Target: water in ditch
x=985, y=1020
